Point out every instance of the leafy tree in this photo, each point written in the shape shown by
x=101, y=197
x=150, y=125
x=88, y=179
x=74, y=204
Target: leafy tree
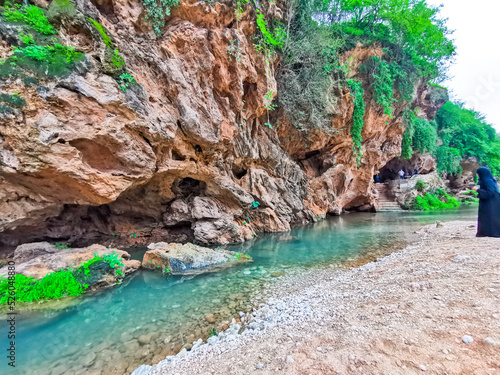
x=467, y=132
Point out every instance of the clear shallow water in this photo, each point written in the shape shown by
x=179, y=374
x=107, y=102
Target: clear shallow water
x=116, y=330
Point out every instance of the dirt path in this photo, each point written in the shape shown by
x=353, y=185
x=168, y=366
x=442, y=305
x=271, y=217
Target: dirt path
x=404, y=314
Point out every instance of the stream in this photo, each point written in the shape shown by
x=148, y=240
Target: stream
x=150, y=316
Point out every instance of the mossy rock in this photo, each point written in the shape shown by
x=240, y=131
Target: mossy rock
x=113, y=63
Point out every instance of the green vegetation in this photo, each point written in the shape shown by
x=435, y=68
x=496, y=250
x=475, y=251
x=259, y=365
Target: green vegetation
x=271, y=40
x=420, y=186
x=38, y=54
x=124, y=82
x=30, y=15
x=358, y=117
x=157, y=11
x=437, y=201
x=62, y=283
x=415, y=42
x=115, y=62
x=465, y=133
x=10, y=101
x=460, y=133
x=105, y=37
x=471, y=198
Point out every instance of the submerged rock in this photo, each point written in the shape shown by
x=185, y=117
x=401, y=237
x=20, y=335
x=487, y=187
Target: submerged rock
x=188, y=258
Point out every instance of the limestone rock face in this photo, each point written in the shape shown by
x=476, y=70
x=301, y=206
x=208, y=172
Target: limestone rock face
x=188, y=258
x=184, y=154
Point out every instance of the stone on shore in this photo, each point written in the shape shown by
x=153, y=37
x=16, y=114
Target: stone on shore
x=188, y=258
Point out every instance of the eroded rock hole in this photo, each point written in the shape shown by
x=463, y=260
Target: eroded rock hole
x=198, y=148
x=313, y=164
x=239, y=172
x=188, y=187
x=105, y=7
x=177, y=156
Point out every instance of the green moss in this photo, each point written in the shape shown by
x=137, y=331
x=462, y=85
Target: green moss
x=12, y=100
x=157, y=11
x=105, y=37
x=30, y=15
x=47, y=61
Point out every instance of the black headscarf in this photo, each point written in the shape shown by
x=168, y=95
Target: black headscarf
x=486, y=179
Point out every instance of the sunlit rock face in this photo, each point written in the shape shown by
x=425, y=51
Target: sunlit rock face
x=184, y=154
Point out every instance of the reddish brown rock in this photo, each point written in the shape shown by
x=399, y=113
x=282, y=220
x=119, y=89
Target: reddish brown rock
x=183, y=155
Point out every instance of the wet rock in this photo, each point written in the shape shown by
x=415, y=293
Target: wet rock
x=144, y=339
x=88, y=359
x=277, y=274
x=188, y=258
x=210, y=318
x=287, y=238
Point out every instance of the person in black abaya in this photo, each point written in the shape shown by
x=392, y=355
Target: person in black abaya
x=488, y=224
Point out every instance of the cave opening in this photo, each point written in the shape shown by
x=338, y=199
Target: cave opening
x=417, y=165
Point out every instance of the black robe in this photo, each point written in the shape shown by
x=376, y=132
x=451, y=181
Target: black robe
x=488, y=224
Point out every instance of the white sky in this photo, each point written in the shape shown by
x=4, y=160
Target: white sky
x=475, y=76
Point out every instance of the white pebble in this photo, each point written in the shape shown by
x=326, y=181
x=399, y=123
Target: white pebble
x=491, y=341
x=467, y=339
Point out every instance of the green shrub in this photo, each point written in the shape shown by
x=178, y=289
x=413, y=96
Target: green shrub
x=471, y=192
x=448, y=160
x=114, y=261
x=30, y=15
x=383, y=90
x=157, y=10
x=466, y=133
x=431, y=202
x=424, y=135
x=272, y=40
x=420, y=186
x=47, y=61
x=125, y=81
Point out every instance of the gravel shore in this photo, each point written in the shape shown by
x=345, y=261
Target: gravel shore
x=433, y=307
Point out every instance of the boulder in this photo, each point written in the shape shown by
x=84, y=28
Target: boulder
x=188, y=258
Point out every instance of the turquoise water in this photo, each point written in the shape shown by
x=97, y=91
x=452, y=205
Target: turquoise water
x=116, y=330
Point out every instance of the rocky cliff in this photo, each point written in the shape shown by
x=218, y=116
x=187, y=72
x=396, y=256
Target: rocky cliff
x=183, y=153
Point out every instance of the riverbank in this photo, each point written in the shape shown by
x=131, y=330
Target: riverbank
x=403, y=314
